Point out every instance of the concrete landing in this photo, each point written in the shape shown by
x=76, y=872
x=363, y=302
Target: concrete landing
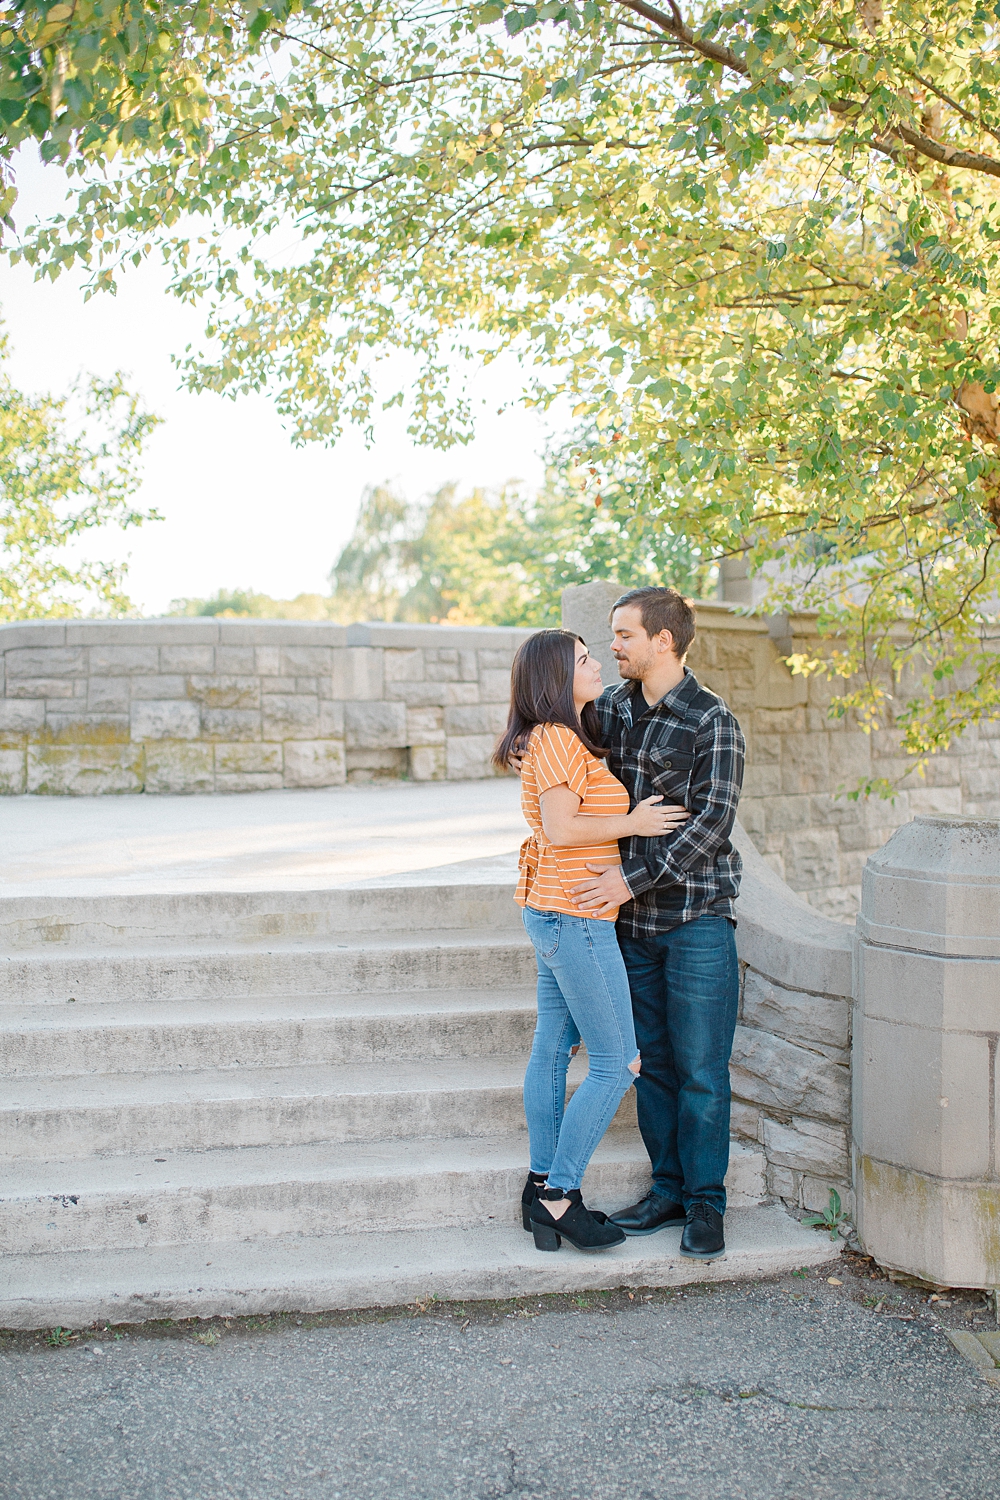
x=253, y=841
x=296, y=1273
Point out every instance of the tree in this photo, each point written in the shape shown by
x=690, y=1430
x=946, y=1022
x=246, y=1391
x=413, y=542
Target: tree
x=503, y=557
x=753, y=245
x=63, y=473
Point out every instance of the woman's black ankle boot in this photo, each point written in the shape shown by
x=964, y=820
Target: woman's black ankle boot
x=577, y=1224
x=535, y=1181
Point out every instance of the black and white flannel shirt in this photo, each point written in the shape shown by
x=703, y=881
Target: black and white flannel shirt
x=689, y=748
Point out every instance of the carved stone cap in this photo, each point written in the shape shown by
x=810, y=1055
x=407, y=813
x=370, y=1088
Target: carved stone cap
x=935, y=888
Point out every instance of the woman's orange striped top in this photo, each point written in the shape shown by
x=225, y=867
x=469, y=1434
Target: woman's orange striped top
x=557, y=757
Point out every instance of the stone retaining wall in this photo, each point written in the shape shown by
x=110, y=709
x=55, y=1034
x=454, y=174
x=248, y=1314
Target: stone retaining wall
x=791, y=1062
x=236, y=705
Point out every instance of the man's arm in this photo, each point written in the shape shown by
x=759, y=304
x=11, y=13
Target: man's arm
x=716, y=781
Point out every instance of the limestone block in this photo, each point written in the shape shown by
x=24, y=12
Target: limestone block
x=375, y=726
x=814, y=1194
x=267, y=660
x=764, y=749
x=242, y=758
x=13, y=773
x=236, y=661
x=357, y=673
x=745, y=1120
x=752, y=814
x=482, y=718
x=769, y=1071
x=315, y=763
x=220, y=690
x=377, y=765
x=122, y=661
x=163, y=685
x=927, y=800
x=178, y=766
x=428, y=762
x=45, y=661
x=183, y=659
x=778, y=721
x=331, y=720
x=805, y=763
x=586, y=609
x=230, y=723
x=981, y=781
x=785, y=814
x=423, y=694
x=404, y=666
x=42, y=687
x=107, y=694
x=443, y=654
x=32, y=633
x=762, y=781
x=306, y=661
x=796, y=1015
x=289, y=716
x=808, y=1146
x=165, y=719
x=923, y=1098
x=424, y=726
x=468, y=666
x=811, y=859
x=850, y=757
x=460, y=692
x=84, y=770
x=494, y=686
x=442, y=671
x=945, y=1232
x=86, y=729
x=248, y=781
x=781, y=1183
x=308, y=685
x=498, y=660
x=469, y=757
x=275, y=684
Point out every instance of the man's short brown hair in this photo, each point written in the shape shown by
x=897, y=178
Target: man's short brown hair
x=662, y=609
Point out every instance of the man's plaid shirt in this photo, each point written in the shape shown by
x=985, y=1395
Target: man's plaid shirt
x=689, y=748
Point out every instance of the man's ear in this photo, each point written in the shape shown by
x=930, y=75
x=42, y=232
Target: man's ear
x=665, y=640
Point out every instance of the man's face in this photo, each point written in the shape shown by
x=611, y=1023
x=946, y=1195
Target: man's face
x=631, y=647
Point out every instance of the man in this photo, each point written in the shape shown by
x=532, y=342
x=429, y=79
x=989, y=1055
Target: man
x=667, y=734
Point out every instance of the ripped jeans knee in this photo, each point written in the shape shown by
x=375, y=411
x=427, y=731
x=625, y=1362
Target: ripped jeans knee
x=635, y=1065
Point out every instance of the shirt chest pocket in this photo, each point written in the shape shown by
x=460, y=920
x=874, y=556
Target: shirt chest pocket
x=670, y=772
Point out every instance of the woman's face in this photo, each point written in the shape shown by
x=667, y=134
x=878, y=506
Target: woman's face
x=587, y=683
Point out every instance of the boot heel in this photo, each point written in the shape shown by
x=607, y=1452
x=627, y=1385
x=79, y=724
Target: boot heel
x=525, y=1219
x=545, y=1238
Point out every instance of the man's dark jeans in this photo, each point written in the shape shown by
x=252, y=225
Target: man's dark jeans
x=685, y=996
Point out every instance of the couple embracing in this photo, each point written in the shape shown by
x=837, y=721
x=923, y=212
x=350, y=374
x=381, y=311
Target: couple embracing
x=631, y=915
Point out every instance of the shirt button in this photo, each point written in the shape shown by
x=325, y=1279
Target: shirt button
x=667, y=764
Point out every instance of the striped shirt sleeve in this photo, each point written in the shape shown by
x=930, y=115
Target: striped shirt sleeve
x=560, y=760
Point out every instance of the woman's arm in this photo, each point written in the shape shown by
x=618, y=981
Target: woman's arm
x=565, y=826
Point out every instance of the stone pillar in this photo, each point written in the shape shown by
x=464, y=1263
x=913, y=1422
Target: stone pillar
x=585, y=609
x=927, y=1018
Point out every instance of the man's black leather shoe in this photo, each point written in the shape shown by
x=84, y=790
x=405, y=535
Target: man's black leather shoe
x=703, y=1238
x=649, y=1215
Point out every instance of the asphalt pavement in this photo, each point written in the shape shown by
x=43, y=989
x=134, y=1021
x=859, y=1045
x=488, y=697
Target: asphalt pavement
x=801, y=1389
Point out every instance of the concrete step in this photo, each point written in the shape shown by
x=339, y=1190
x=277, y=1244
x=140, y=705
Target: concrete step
x=114, y=1114
x=475, y=898
x=311, y=1274
x=439, y=959
x=321, y=1189
x=278, y=1031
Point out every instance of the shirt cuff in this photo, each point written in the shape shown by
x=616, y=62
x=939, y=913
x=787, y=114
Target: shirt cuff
x=636, y=876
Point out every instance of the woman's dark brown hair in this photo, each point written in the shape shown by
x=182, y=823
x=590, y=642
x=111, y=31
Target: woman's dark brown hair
x=541, y=692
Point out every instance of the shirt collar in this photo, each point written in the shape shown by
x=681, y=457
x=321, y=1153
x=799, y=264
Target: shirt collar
x=629, y=696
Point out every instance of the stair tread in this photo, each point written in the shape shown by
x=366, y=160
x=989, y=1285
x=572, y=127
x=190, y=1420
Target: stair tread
x=330, y=1161
x=364, y=942
x=117, y=1090
x=375, y=1269
x=102, y=1014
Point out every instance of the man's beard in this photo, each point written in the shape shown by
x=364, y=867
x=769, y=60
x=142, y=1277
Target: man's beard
x=632, y=671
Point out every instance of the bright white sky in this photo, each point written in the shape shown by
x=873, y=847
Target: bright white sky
x=243, y=507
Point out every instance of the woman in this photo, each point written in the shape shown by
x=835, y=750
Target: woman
x=577, y=811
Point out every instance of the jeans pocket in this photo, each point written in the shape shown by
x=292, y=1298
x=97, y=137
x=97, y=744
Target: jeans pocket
x=543, y=928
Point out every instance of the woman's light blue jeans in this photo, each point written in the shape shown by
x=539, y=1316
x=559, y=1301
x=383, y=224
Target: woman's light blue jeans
x=582, y=993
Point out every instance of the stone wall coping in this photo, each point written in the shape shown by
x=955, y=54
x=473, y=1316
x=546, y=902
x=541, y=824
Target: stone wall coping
x=785, y=938
x=401, y=636
x=206, y=631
